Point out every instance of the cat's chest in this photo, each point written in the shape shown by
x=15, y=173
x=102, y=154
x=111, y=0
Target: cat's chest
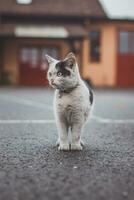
x=71, y=101
x=63, y=100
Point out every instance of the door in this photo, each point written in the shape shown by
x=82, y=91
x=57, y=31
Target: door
x=2, y=77
x=125, y=59
x=33, y=65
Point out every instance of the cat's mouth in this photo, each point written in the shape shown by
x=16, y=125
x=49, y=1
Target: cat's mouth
x=54, y=85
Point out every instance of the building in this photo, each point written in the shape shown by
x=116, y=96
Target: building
x=31, y=28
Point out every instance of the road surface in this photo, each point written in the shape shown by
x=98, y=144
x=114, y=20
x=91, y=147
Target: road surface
x=31, y=167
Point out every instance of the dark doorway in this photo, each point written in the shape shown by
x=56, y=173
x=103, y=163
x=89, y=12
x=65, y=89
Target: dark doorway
x=125, y=59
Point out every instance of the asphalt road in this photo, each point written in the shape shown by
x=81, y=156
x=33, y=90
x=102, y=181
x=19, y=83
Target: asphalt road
x=31, y=167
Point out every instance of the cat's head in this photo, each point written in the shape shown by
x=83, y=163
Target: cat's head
x=63, y=74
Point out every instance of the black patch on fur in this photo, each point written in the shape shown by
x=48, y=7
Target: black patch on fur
x=91, y=96
x=61, y=67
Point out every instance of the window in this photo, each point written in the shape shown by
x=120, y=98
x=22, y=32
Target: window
x=126, y=42
x=95, y=37
x=24, y=1
x=123, y=42
x=52, y=51
x=34, y=56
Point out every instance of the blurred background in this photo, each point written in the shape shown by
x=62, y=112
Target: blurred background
x=99, y=32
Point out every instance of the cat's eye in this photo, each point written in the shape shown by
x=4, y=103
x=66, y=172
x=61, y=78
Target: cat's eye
x=50, y=74
x=59, y=74
x=71, y=64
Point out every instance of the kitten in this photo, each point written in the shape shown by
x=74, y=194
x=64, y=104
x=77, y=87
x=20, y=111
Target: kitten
x=72, y=102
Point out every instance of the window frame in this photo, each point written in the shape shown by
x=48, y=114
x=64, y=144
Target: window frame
x=23, y=3
x=39, y=47
x=130, y=33
x=91, y=59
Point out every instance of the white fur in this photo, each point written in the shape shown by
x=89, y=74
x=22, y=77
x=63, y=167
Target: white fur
x=72, y=108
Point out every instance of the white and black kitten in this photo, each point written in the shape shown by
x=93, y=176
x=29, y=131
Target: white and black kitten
x=72, y=102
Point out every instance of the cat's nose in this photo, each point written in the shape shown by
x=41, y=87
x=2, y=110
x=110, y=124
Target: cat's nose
x=52, y=81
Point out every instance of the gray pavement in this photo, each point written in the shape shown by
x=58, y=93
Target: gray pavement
x=31, y=167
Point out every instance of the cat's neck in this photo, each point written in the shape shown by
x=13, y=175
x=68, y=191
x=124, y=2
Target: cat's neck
x=69, y=90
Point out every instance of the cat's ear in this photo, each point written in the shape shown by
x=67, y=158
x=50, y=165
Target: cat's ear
x=71, y=59
x=49, y=59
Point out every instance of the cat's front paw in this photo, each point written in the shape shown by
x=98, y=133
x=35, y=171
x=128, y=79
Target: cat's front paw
x=76, y=147
x=63, y=147
x=57, y=142
x=82, y=143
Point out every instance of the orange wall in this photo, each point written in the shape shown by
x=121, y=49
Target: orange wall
x=10, y=60
x=102, y=73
